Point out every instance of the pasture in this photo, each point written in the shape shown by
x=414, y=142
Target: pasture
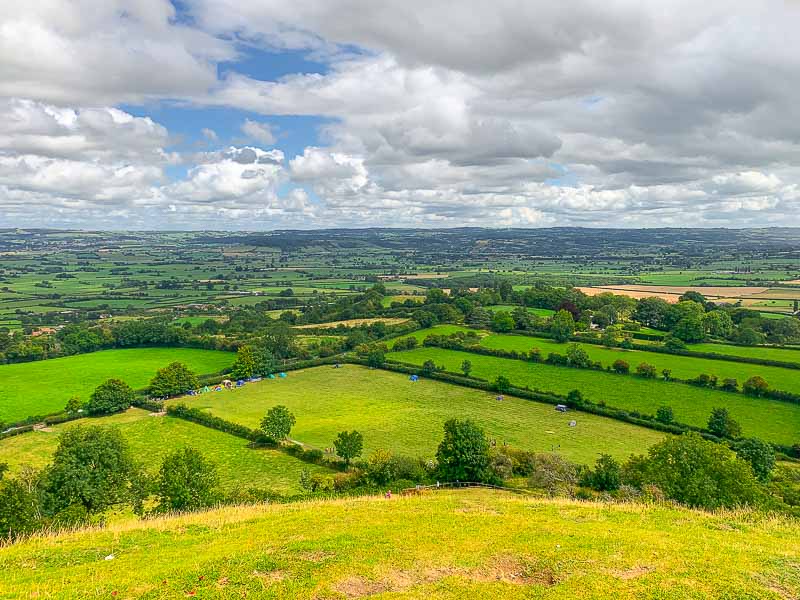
x=351, y=323
x=449, y=544
x=406, y=417
x=768, y=419
x=43, y=387
x=151, y=438
x=682, y=367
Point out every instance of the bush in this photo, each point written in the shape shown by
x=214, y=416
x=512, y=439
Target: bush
x=759, y=454
x=646, y=370
x=110, y=397
x=730, y=385
x=664, y=414
x=606, y=476
x=501, y=384
x=755, y=386
x=621, y=367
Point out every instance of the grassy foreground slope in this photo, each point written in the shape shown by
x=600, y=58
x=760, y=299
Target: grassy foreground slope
x=406, y=417
x=447, y=544
x=768, y=419
x=44, y=386
x=151, y=438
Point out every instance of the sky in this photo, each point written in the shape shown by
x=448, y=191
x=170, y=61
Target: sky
x=263, y=114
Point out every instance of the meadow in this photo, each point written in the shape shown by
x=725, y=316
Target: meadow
x=43, y=387
x=682, y=367
x=539, y=312
x=406, y=417
x=768, y=419
x=447, y=544
x=151, y=438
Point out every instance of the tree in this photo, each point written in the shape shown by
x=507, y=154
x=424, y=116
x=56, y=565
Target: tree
x=755, y=386
x=502, y=384
x=562, y=326
x=621, y=367
x=19, y=509
x=245, y=365
x=174, y=379
x=609, y=337
x=263, y=360
x=92, y=469
x=463, y=454
x=722, y=425
x=652, y=312
x=646, y=370
x=759, y=454
x=574, y=399
x=665, y=415
x=186, y=481
x=466, y=367
x=718, y=324
x=112, y=396
x=380, y=467
x=376, y=358
x=607, y=474
x=578, y=357
x=502, y=321
x=349, y=445
x=74, y=404
x=696, y=472
x=428, y=368
x=690, y=329
x=278, y=423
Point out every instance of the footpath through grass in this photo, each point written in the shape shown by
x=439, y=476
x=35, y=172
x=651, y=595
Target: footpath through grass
x=447, y=544
x=151, y=438
x=682, y=367
x=406, y=417
x=770, y=420
x=43, y=387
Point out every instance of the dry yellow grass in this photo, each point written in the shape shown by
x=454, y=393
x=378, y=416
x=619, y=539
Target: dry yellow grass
x=351, y=323
x=453, y=544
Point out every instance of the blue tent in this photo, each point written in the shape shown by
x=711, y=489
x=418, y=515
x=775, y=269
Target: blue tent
x=270, y=376
x=282, y=375
x=240, y=383
x=414, y=378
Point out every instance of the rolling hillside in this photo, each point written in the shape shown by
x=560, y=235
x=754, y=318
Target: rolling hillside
x=446, y=544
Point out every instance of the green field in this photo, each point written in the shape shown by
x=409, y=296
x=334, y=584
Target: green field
x=763, y=352
x=43, y=387
x=421, y=334
x=151, y=438
x=448, y=544
x=768, y=419
x=405, y=417
x=682, y=367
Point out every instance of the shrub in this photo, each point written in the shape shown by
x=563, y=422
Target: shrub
x=555, y=474
x=704, y=380
x=755, y=386
x=501, y=384
x=730, y=385
x=646, y=370
x=428, y=368
x=606, y=476
x=664, y=414
x=620, y=366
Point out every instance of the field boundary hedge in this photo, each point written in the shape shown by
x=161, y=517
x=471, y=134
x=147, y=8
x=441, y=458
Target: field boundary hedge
x=448, y=343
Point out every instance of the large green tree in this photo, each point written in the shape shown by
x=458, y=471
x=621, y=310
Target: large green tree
x=463, y=454
x=349, y=445
x=174, y=379
x=92, y=470
x=562, y=326
x=245, y=365
x=187, y=480
x=278, y=423
x=114, y=395
x=696, y=472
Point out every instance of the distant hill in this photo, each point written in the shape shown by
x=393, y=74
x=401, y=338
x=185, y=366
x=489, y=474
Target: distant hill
x=445, y=544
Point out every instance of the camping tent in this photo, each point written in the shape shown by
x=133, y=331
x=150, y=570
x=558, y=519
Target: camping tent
x=414, y=378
